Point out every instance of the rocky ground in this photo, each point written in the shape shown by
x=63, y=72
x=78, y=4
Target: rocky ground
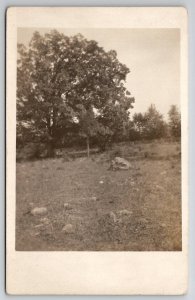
x=85, y=205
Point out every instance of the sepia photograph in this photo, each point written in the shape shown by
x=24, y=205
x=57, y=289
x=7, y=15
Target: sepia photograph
x=98, y=139
x=96, y=151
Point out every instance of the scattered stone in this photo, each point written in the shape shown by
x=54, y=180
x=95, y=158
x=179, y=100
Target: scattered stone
x=101, y=182
x=68, y=228
x=119, y=163
x=45, y=221
x=113, y=216
x=67, y=206
x=35, y=233
x=94, y=198
x=125, y=212
x=39, y=211
x=163, y=173
x=39, y=225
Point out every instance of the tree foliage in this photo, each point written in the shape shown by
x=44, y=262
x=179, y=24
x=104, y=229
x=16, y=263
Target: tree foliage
x=155, y=125
x=70, y=85
x=174, y=121
x=149, y=125
x=139, y=122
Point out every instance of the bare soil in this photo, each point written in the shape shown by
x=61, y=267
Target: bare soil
x=132, y=210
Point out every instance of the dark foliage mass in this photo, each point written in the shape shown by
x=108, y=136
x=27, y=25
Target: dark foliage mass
x=71, y=92
x=151, y=124
x=67, y=87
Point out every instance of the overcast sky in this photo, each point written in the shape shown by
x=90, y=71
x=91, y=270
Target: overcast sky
x=152, y=55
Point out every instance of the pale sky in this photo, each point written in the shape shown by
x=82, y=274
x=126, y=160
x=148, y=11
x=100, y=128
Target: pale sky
x=152, y=55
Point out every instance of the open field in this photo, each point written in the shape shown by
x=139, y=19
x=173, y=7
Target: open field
x=134, y=210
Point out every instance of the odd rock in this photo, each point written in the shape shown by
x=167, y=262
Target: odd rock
x=113, y=216
x=119, y=163
x=39, y=211
x=125, y=212
x=68, y=228
x=45, y=221
x=67, y=206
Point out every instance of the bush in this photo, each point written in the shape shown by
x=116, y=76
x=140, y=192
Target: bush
x=31, y=151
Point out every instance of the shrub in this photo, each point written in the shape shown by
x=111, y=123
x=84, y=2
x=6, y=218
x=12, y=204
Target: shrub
x=31, y=151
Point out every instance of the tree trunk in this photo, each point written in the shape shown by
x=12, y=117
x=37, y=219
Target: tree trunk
x=50, y=141
x=88, y=150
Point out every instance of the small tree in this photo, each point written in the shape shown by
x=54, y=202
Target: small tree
x=88, y=126
x=174, y=122
x=139, y=124
x=155, y=126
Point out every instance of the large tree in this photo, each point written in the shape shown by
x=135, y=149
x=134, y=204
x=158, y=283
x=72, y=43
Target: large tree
x=62, y=80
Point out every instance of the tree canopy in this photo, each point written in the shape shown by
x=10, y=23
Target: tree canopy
x=70, y=85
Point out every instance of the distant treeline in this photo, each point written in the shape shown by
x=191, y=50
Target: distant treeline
x=152, y=125
x=143, y=127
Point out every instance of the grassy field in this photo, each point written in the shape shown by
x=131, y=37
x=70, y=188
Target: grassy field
x=134, y=210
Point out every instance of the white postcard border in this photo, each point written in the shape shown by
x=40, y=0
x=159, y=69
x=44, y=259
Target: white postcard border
x=93, y=273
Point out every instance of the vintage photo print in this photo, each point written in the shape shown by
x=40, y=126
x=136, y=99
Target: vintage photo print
x=97, y=150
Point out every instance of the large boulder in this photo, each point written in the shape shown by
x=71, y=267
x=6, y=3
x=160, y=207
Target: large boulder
x=119, y=163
